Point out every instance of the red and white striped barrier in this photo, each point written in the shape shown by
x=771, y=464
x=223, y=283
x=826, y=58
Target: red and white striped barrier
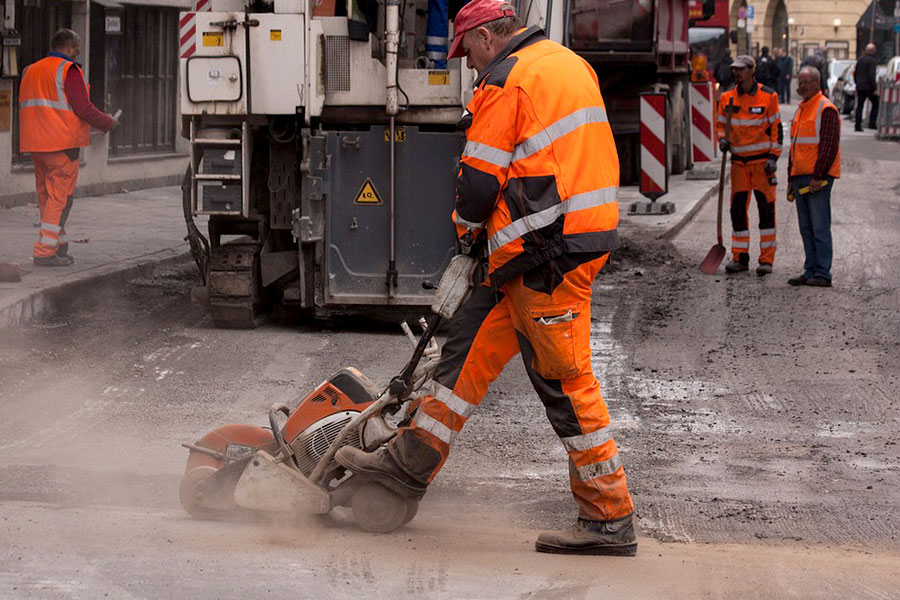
x=702, y=120
x=888, y=111
x=187, y=32
x=654, y=167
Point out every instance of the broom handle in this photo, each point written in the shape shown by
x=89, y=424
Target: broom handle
x=722, y=171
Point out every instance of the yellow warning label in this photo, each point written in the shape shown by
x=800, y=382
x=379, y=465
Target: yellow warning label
x=212, y=38
x=399, y=135
x=438, y=77
x=275, y=35
x=367, y=194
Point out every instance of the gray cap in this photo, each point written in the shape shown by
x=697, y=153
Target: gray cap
x=744, y=60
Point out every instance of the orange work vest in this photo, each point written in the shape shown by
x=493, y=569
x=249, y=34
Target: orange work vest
x=46, y=120
x=540, y=169
x=805, y=128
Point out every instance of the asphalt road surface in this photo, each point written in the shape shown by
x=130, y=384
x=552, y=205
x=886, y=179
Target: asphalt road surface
x=758, y=424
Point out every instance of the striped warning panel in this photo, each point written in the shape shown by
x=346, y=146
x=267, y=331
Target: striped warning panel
x=654, y=171
x=702, y=121
x=889, y=112
x=187, y=31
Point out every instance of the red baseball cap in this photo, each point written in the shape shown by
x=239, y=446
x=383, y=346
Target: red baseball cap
x=473, y=14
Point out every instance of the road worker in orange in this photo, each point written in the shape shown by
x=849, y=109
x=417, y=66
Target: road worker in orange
x=755, y=145
x=538, y=177
x=55, y=115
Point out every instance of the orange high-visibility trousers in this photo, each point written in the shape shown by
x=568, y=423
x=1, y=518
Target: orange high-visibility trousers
x=545, y=314
x=747, y=178
x=55, y=176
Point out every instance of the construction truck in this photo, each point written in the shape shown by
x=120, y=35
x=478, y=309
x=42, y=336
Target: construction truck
x=324, y=139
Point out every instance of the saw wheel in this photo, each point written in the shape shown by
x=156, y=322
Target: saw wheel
x=197, y=499
x=377, y=509
x=236, y=299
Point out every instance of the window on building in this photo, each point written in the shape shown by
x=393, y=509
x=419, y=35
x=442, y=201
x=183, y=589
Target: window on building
x=145, y=83
x=838, y=49
x=36, y=21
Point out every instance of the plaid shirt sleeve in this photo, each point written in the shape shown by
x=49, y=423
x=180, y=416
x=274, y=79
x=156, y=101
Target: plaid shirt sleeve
x=829, y=142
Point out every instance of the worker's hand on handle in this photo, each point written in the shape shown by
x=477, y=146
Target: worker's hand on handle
x=771, y=166
x=815, y=185
x=724, y=145
x=790, y=194
x=115, y=124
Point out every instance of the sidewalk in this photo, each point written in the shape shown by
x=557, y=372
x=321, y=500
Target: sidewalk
x=113, y=237
x=110, y=237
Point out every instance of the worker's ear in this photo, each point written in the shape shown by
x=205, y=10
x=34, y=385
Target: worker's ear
x=483, y=36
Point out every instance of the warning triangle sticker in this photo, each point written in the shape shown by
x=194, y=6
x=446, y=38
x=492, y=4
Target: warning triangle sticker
x=367, y=194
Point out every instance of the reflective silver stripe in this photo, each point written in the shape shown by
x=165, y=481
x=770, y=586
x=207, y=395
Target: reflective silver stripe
x=748, y=122
x=767, y=244
x=63, y=239
x=495, y=156
x=812, y=140
x=566, y=125
x=776, y=146
x=453, y=402
x=599, y=469
x=436, y=55
x=48, y=241
x=436, y=428
x=578, y=443
x=60, y=103
x=740, y=244
x=741, y=233
x=722, y=119
x=433, y=40
x=767, y=231
x=752, y=147
x=51, y=227
x=806, y=140
x=774, y=118
x=520, y=227
x=460, y=221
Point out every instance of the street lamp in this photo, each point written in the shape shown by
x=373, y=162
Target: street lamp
x=837, y=23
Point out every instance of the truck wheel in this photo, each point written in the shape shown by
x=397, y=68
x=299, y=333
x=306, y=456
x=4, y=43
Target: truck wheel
x=377, y=509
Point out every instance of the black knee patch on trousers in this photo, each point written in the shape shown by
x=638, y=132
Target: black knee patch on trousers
x=557, y=404
x=739, y=211
x=766, y=211
x=464, y=326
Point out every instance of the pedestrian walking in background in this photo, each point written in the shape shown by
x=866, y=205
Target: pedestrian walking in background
x=818, y=61
x=814, y=163
x=766, y=69
x=866, y=79
x=55, y=116
x=785, y=75
x=755, y=145
x=539, y=175
x=722, y=72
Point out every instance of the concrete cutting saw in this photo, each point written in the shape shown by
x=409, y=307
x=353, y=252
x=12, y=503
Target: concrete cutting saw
x=289, y=467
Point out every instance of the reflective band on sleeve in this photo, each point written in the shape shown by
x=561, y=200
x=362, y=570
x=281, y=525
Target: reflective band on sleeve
x=566, y=125
x=770, y=244
x=774, y=118
x=722, y=119
x=489, y=154
x=747, y=122
x=753, y=147
x=741, y=233
x=436, y=428
x=765, y=232
x=520, y=227
x=776, y=146
x=577, y=443
x=453, y=402
x=599, y=469
x=51, y=227
x=48, y=241
x=460, y=221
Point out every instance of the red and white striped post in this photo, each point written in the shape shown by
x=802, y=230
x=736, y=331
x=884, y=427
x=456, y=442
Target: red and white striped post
x=702, y=121
x=654, y=159
x=187, y=28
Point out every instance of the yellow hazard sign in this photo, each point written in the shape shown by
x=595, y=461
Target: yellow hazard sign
x=275, y=35
x=399, y=135
x=212, y=38
x=438, y=77
x=367, y=194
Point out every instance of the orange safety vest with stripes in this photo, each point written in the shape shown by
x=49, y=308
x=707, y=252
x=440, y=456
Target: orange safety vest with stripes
x=47, y=122
x=539, y=171
x=756, y=133
x=805, y=129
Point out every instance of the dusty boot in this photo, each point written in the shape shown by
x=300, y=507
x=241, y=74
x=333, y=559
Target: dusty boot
x=53, y=261
x=381, y=467
x=611, y=538
x=763, y=269
x=736, y=266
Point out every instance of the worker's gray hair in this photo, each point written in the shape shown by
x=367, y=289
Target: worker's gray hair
x=64, y=38
x=504, y=26
x=814, y=71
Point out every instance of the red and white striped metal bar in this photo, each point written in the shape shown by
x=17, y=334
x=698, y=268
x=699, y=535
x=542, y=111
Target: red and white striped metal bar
x=702, y=121
x=654, y=180
x=187, y=28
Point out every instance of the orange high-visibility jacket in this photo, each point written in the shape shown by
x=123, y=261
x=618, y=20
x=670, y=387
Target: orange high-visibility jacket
x=756, y=132
x=540, y=169
x=46, y=120
x=805, y=129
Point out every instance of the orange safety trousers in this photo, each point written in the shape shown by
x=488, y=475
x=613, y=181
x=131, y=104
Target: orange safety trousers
x=747, y=178
x=55, y=175
x=545, y=315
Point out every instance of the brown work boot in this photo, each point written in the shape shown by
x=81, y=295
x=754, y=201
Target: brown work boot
x=53, y=261
x=379, y=466
x=611, y=538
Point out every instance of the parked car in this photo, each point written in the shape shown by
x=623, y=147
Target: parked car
x=835, y=69
x=844, y=93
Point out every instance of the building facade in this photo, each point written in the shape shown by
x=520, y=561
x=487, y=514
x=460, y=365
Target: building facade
x=799, y=25
x=130, y=57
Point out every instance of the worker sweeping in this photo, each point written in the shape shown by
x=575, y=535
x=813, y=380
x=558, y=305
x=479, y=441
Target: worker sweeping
x=755, y=146
x=55, y=115
x=538, y=177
